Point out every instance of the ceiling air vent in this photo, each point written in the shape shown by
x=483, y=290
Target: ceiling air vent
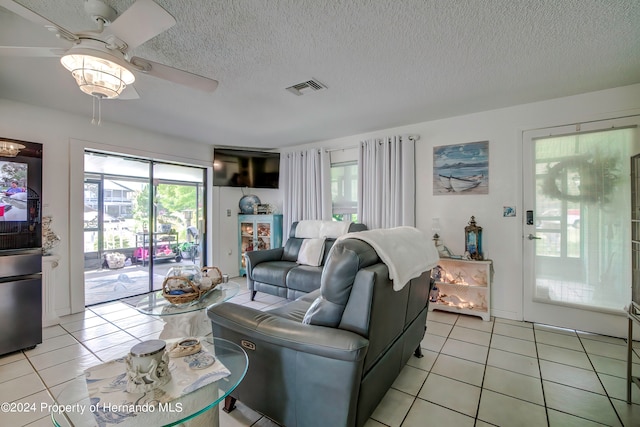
x=306, y=87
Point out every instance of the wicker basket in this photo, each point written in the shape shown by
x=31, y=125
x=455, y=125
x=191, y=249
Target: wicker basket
x=213, y=273
x=172, y=282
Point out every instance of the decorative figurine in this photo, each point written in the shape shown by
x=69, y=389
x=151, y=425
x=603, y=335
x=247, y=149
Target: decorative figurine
x=473, y=240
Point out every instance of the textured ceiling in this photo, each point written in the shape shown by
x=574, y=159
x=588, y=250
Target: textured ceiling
x=386, y=63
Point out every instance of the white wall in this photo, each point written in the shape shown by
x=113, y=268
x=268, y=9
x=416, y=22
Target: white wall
x=226, y=234
x=64, y=137
x=503, y=129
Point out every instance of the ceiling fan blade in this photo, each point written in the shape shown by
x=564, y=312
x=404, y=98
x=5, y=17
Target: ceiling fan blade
x=144, y=20
x=34, y=52
x=175, y=75
x=129, y=92
x=32, y=16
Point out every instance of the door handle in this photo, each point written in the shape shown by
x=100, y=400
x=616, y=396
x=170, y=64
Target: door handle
x=532, y=237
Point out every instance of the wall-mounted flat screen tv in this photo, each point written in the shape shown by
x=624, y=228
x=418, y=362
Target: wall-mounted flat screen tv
x=243, y=168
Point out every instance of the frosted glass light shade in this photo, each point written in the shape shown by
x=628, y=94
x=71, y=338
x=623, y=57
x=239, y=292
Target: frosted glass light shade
x=98, y=77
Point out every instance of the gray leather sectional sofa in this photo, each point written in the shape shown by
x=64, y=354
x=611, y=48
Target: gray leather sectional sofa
x=329, y=357
x=276, y=271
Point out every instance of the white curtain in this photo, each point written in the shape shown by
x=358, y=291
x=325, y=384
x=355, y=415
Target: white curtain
x=305, y=179
x=386, y=182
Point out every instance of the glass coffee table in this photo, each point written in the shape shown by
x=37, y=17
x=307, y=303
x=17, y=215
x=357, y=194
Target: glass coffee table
x=190, y=319
x=197, y=408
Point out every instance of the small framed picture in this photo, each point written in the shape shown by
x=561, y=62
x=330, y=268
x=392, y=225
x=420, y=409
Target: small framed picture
x=508, y=211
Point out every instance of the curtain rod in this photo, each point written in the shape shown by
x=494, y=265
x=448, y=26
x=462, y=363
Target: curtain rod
x=330, y=150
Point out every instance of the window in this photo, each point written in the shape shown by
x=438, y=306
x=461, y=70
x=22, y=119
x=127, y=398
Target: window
x=344, y=190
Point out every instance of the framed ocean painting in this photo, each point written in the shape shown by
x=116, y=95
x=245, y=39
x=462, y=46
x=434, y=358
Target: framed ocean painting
x=461, y=168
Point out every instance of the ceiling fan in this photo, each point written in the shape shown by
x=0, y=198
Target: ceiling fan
x=98, y=59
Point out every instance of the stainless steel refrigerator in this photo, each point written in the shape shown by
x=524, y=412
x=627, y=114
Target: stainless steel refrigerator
x=20, y=246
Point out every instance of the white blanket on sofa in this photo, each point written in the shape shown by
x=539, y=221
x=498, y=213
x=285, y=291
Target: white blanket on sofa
x=407, y=251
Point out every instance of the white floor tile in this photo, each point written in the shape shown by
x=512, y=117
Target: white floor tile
x=513, y=362
x=439, y=328
x=120, y=314
x=52, y=331
x=12, y=357
x=16, y=369
x=474, y=322
x=21, y=387
x=373, y=423
x=518, y=323
x=452, y=394
x=38, y=403
x=584, y=404
x=84, y=323
x=95, y=332
x=146, y=329
x=503, y=410
x=601, y=338
x=561, y=419
x=513, y=384
x=70, y=318
x=616, y=367
x=514, y=345
x=555, y=329
x=393, y=408
x=425, y=413
x=52, y=344
x=107, y=341
x=426, y=362
x=459, y=369
x=585, y=379
x=109, y=307
x=410, y=380
x=465, y=350
x=564, y=356
x=513, y=331
x=617, y=388
x=42, y=422
x=559, y=340
x=242, y=416
x=56, y=357
x=605, y=349
x=67, y=371
x=432, y=342
x=442, y=317
x=473, y=336
x=265, y=422
x=138, y=319
x=629, y=414
x=117, y=351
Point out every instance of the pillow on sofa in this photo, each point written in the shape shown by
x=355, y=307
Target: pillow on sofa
x=311, y=252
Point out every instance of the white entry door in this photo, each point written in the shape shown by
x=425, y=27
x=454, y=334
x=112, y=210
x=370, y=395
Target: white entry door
x=577, y=238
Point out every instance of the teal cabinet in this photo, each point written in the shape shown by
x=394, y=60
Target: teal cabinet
x=258, y=233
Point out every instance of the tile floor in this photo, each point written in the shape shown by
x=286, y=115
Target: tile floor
x=474, y=373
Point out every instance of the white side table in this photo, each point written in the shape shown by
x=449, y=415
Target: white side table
x=49, y=316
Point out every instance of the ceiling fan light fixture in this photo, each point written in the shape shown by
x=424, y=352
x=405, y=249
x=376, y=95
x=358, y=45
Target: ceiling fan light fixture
x=96, y=75
x=9, y=148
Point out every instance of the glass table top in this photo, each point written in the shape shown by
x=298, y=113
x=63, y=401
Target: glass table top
x=78, y=406
x=155, y=304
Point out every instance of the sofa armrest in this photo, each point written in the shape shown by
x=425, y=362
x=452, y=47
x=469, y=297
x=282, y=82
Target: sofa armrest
x=256, y=257
x=262, y=326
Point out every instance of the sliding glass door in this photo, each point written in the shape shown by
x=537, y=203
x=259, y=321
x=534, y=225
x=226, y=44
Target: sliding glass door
x=141, y=217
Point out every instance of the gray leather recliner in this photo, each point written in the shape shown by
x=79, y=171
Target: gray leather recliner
x=329, y=357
